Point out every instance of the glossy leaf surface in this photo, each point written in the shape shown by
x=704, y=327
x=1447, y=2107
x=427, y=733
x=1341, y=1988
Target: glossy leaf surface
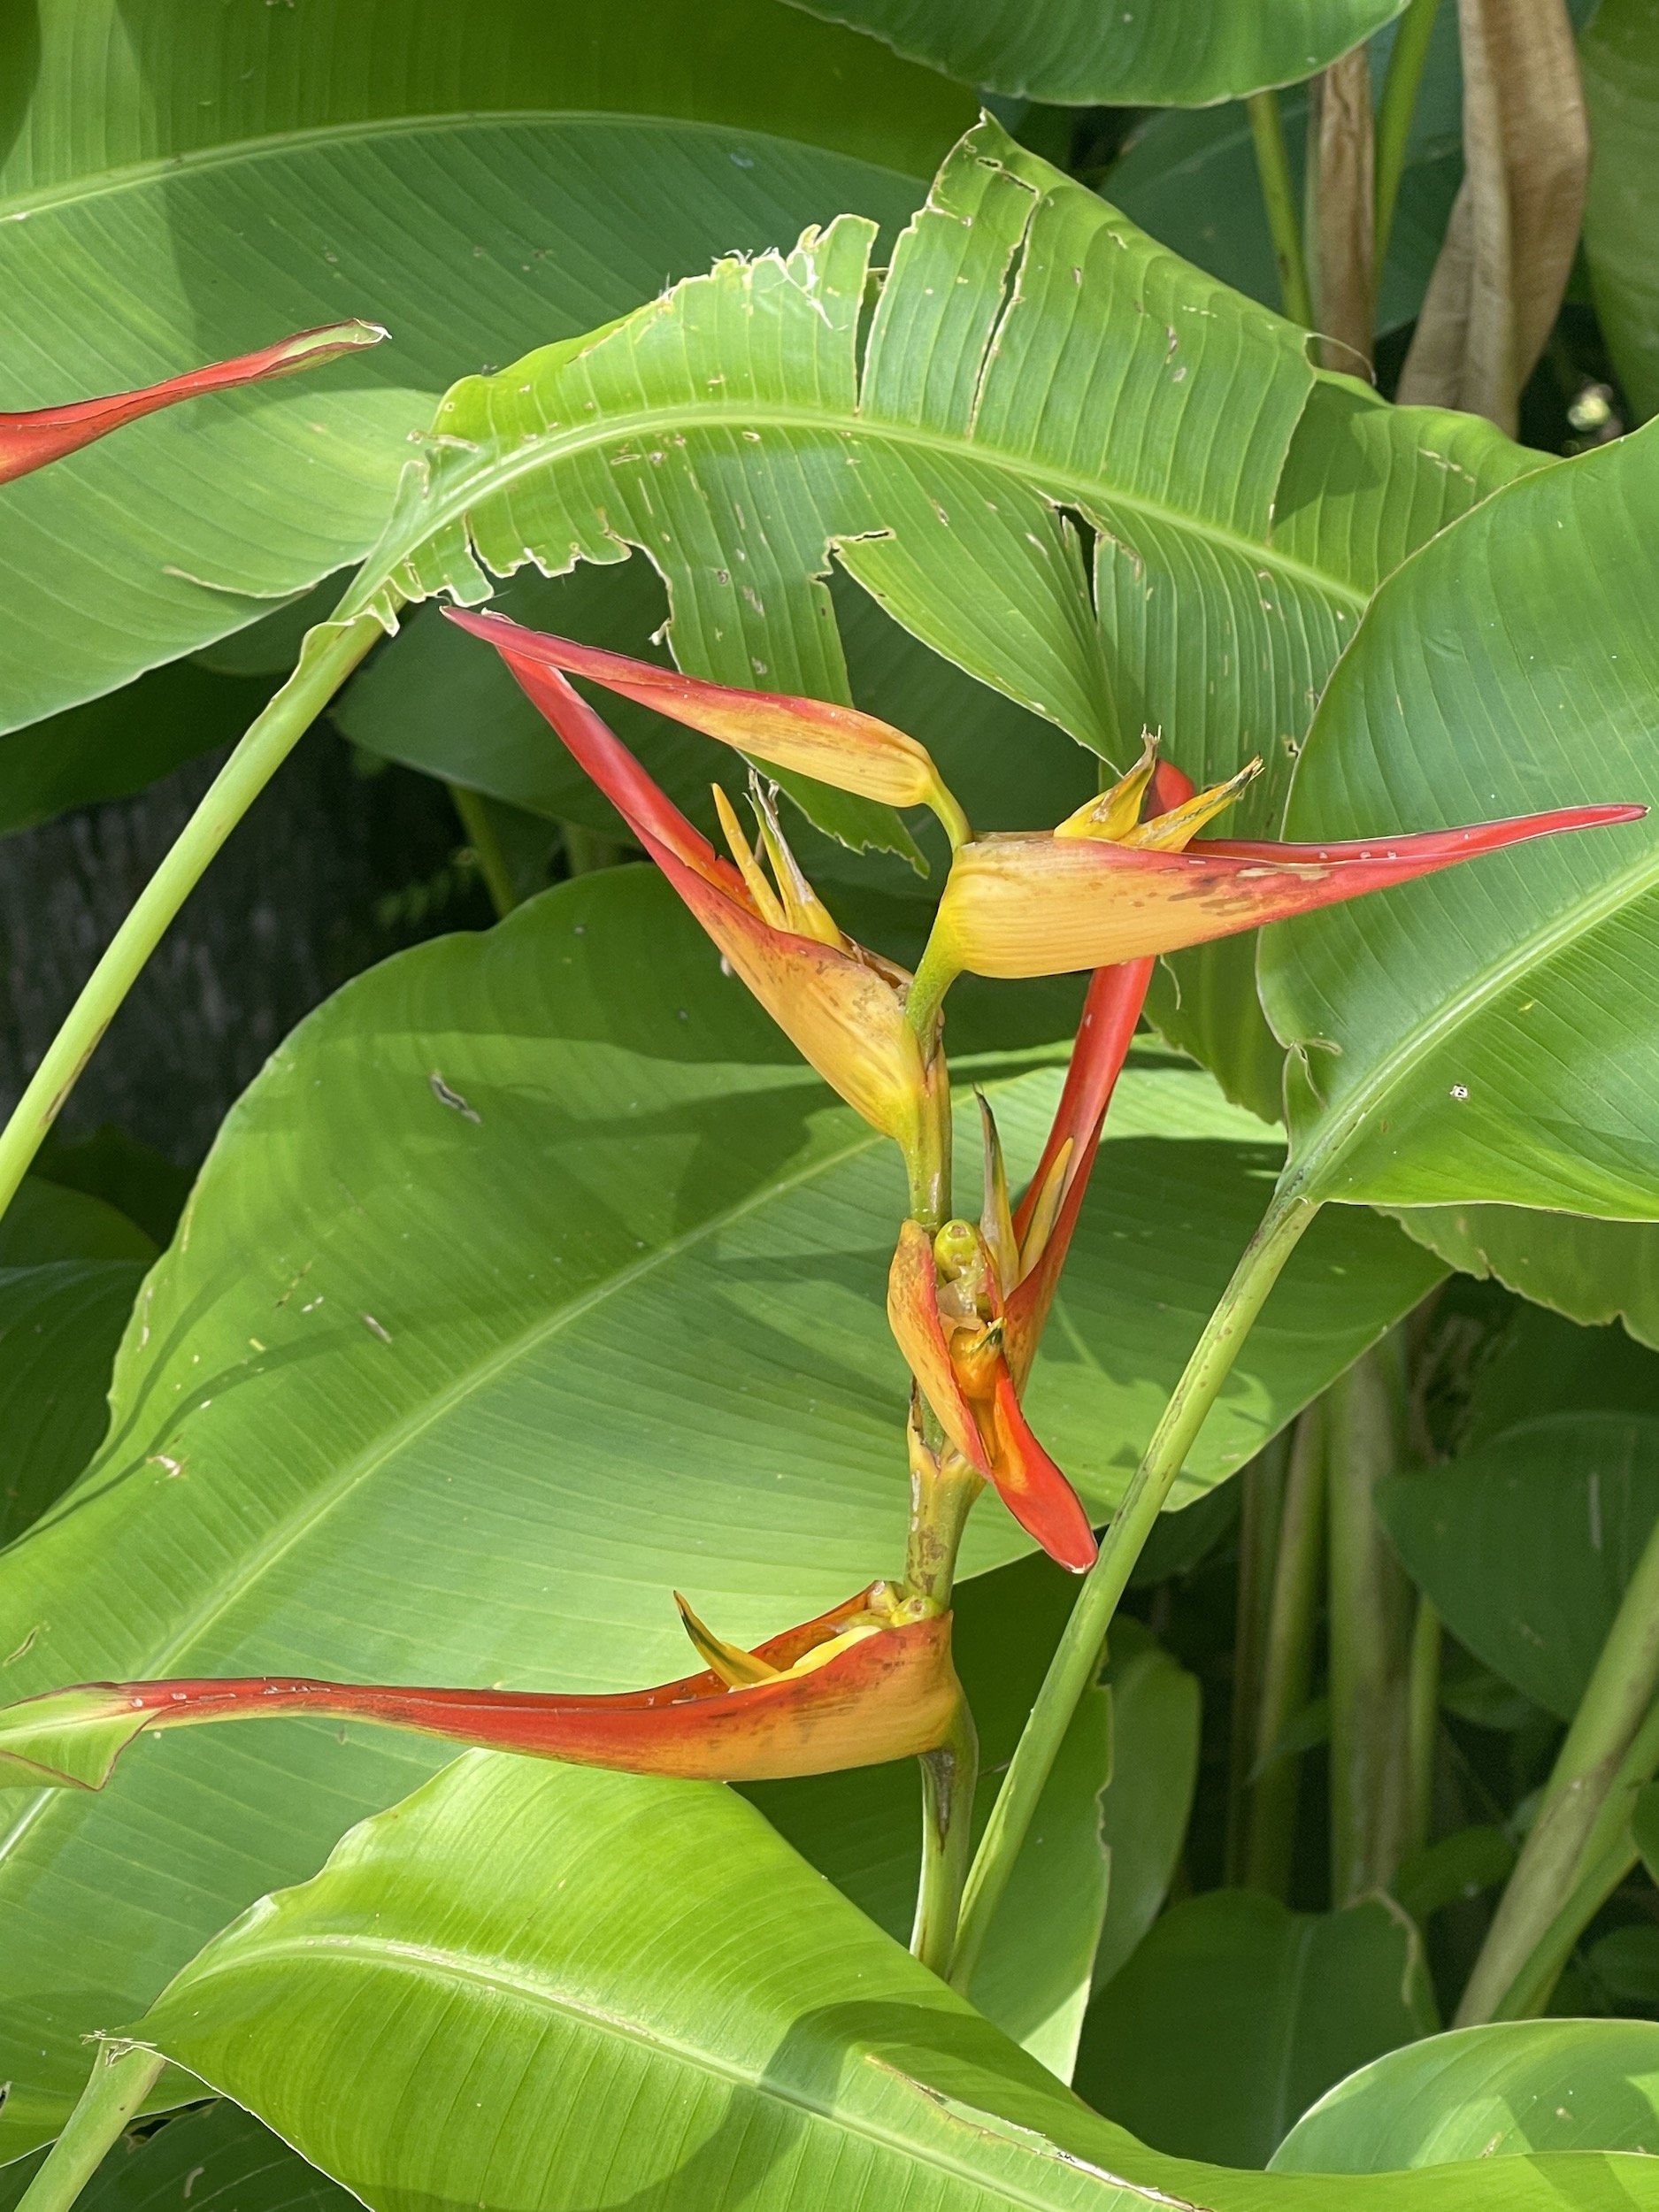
x=1526, y=1547
x=1493, y=2092
x=1157, y=53
x=1489, y=1042
x=1235, y=2013
x=1619, y=54
x=1594, y=1271
x=169, y=200
x=534, y=1987
x=1546, y=1364
x=582, y=1274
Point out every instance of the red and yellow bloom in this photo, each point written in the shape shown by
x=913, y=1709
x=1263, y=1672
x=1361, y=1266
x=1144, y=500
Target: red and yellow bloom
x=843, y=1007
x=30, y=440
x=869, y=1681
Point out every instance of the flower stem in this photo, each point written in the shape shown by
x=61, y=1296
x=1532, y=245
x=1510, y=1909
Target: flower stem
x=123, y=2075
x=1608, y=1724
x=332, y=651
x=1607, y=1858
x=1273, y=163
x=1261, y=1518
x=1371, y=1625
x=1077, y=1657
x=1288, y=1666
x=949, y=1777
x=1406, y=64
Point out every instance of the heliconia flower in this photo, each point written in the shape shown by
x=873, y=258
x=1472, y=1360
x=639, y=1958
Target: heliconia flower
x=1097, y=891
x=29, y=441
x=968, y=1307
x=837, y=745
x=869, y=1681
x=956, y=1353
x=841, y=1006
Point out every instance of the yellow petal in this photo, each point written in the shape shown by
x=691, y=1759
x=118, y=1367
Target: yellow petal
x=1173, y=832
x=1041, y=1224
x=996, y=1219
x=1116, y=812
x=805, y=913
x=735, y=1666
x=753, y=874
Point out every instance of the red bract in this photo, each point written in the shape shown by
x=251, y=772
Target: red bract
x=30, y=440
x=843, y=1006
x=1046, y=905
x=836, y=744
x=869, y=1681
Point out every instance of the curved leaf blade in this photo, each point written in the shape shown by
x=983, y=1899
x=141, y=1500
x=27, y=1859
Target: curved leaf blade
x=1618, y=55
x=1235, y=2013
x=545, y=1989
x=487, y=191
x=1526, y=1545
x=1481, y=1037
x=1495, y=2092
x=1182, y=53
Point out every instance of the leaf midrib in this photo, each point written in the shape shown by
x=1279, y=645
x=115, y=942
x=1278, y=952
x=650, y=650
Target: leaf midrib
x=274, y=145
x=418, y=1959
x=1325, y=1153
x=1065, y=487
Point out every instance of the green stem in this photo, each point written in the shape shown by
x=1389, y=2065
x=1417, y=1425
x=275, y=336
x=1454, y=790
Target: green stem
x=1608, y=1857
x=948, y=1776
x=1077, y=1657
x=934, y=977
x=1590, y=1767
x=1287, y=1673
x=1370, y=1624
x=473, y=809
x=1423, y=1716
x=1406, y=64
x=1261, y=1514
x=123, y=2075
x=228, y=798
x=1272, y=164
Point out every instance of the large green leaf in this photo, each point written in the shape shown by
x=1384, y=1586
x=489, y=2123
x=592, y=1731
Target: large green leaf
x=1034, y=361
x=1485, y=1035
x=533, y=1278
x=533, y=1987
x=59, y=1325
x=1236, y=2013
x=1526, y=1547
x=1592, y=1271
x=1619, y=56
x=1544, y=1364
x=1158, y=53
x=479, y=188
x=1156, y=1713
x=1487, y=2092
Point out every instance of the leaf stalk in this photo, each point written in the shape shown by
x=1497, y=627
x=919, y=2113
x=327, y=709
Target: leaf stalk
x=1077, y=1657
x=332, y=651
